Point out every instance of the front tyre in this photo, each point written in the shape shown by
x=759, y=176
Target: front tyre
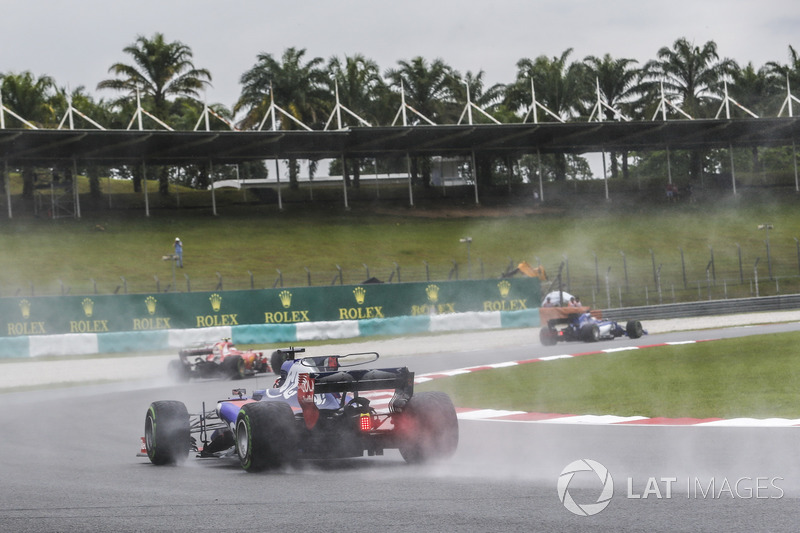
x=428, y=428
x=166, y=433
x=590, y=333
x=266, y=436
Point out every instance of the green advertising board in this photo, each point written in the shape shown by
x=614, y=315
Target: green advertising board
x=50, y=315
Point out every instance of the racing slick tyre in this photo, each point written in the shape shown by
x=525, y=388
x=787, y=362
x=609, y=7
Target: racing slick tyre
x=166, y=432
x=428, y=428
x=590, y=333
x=276, y=360
x=266, y=436
x=634, y=329
x=178, y=371
x=234, y=367
x=548, y=337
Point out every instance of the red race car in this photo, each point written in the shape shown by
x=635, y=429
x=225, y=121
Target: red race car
x=217, y=360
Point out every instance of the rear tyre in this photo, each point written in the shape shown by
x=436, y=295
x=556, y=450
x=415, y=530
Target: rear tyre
x=548, y=337
x=266, y=436
x=166, y=432
x=276, y=360
x=590, y=333
x=234, y=367
x=428, y=428
x=634, y=329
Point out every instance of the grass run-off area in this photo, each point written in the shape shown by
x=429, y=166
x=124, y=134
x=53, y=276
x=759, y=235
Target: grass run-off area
x=752, y=377
x=615, y=251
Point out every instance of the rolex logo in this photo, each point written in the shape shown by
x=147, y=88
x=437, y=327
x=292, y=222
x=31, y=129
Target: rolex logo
x=504, y=287
x=25, y=307
x=286, y=299
x=360, y=293
x=433, y=293
x=216, y=302
x=88, y=307
x=150, y=303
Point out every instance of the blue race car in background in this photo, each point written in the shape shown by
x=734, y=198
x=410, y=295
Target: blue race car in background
x=315, y=410
x=582, y=326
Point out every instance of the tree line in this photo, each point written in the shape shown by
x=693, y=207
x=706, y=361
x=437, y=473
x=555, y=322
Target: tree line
x=162, y=77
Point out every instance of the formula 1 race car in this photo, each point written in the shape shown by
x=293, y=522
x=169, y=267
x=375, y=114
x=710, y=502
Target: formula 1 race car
x=314, y=411
x=217, y=359
x=582, y=326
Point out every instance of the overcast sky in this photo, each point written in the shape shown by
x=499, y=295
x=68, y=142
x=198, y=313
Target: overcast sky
x=76, y=41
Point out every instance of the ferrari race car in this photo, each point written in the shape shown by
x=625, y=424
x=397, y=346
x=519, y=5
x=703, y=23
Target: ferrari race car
x=316, y=410
x=217, y=359
x=584, y=327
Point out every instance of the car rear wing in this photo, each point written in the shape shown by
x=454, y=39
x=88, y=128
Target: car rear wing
x=197, y=351
x=354, y=381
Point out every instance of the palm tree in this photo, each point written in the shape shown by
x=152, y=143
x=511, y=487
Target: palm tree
x=160, y=70
x=759, y=91
x=790, y=71
x=693, y=75
x=619, y=83
x=560, y=86
x=360, y=85
x=490, y=101
x=430, y=89
x=297, y=86
x=99, y=113
x=485, y=98
x=361, y=90
x=31, y=98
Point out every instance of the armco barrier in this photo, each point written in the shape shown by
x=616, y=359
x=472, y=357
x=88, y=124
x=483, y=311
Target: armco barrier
x=89, y=343
x=706, y=308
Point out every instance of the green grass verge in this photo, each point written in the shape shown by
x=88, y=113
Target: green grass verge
x=755, y=377
x=624, y=241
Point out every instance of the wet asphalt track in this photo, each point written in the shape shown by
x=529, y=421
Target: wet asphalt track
x=68, y=464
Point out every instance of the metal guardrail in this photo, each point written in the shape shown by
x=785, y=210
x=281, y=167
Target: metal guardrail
x=705, y=308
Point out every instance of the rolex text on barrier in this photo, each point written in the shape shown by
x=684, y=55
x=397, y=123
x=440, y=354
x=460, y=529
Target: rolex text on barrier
x=53, y=315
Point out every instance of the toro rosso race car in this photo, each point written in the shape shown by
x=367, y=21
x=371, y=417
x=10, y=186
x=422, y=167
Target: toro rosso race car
x=582, y=326
x=218, y=359
x=315, y=410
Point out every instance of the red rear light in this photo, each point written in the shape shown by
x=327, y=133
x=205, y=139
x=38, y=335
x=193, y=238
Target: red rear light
x=366, y=422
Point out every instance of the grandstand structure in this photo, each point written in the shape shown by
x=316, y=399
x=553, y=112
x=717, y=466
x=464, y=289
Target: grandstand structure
x=30, y=145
